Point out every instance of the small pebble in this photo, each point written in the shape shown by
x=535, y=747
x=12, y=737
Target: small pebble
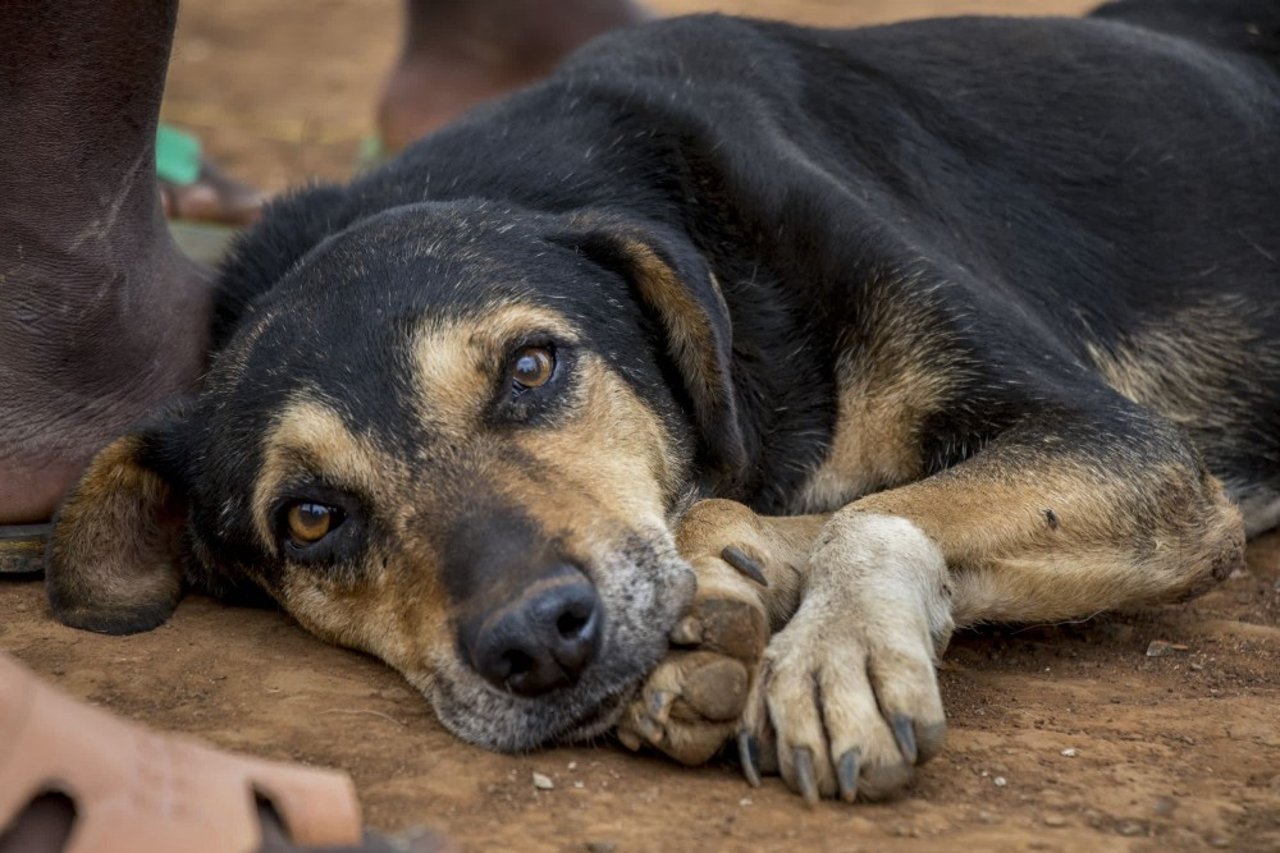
x=1219, y=841
x=542, y=783
x=745, y=801
x=573, y=765
x=601, y=846
x=1160, y=648
x=1000, y=781
x=1069, y=752
x=579, y=785
x=1054, y=820
x=1131, y=828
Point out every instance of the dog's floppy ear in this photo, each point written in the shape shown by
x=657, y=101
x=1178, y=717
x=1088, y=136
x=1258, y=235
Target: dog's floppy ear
x=113, y=560
x=675, y=284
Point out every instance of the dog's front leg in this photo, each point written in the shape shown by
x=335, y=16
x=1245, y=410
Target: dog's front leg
x=1058, y=518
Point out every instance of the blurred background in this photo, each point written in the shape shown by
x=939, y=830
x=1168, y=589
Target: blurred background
x=287, y=90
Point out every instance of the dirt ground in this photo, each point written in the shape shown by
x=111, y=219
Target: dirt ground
x=1070, y=737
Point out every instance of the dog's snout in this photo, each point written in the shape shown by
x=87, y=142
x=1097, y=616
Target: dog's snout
x=542, y=639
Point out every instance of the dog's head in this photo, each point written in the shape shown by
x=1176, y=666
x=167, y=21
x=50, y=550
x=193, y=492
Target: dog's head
x=450, y=435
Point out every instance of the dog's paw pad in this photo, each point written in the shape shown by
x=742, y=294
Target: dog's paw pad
x=736, y=627
x=715, y=691
x=689, y=706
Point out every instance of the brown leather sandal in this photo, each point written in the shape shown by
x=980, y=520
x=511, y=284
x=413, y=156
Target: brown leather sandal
x=125, y=788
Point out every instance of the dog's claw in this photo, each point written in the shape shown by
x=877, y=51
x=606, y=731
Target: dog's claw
x=738, y=558
x=628, y=738
x=649, y=730
x=806, y=779
x=847, y=774
x=687, y=632
x=660, y=706
x=749, y=757
x=904, y=734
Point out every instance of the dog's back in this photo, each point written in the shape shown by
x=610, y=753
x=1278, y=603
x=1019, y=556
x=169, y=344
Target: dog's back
x=1106, y=190
x=1248, y=26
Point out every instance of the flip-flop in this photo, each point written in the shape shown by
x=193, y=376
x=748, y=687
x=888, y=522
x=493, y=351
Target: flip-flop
x=193, y=189
x=76, y=778
x=22, y=548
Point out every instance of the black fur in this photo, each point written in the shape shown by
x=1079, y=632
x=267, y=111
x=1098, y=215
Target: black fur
x=1028, y=186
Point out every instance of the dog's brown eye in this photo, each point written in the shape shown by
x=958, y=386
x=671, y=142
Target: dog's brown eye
x=533, y=367
x=310, y=522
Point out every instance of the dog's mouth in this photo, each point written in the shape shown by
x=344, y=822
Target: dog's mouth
x=489, y=716
x=593, y=725
x=646, y=590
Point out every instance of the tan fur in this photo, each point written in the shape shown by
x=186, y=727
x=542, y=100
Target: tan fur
x=366, y=608
x=887, y=388
x=456, y=362
x=867, y=596
x=115, y=543
x=780, y=544
x=1185, y=376
x=609, y=463
x=692, y=341
x=601, y=453
x=726, y=628
x=859, y=654
x=1061, y=541
x=308, y=436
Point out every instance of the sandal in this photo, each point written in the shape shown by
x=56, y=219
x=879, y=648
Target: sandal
x=22, y=548
x=76, y=778
x=194, y=190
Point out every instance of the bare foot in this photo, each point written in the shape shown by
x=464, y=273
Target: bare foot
x=460, y=54
x=92, y=337
x=101, y=317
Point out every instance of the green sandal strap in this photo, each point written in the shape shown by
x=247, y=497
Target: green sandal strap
x=177, y=156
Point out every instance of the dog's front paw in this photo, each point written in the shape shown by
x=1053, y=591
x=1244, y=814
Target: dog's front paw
x=846, y=702
x=839, y=712
x=691, y=703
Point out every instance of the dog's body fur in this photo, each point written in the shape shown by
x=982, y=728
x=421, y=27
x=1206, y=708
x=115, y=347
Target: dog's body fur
x=994, y=298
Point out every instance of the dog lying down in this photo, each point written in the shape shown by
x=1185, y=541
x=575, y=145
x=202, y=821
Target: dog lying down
x=873, y=334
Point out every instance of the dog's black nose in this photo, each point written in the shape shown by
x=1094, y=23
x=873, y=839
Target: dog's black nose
x=540, y=640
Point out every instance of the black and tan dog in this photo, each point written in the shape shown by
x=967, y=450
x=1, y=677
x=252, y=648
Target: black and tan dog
x=980, y=316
